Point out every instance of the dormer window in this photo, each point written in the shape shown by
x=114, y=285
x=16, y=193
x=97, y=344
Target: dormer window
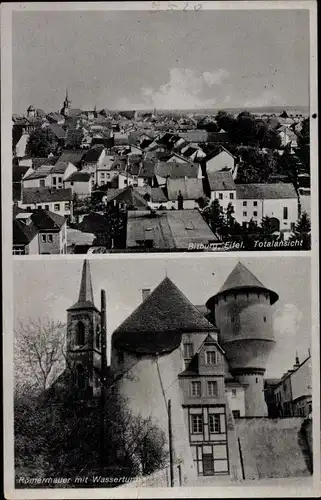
x=188, y=350
x=210, y=357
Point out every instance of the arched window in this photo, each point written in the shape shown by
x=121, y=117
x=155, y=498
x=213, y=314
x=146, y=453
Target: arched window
x=80, y=333
x=80, y=377
x=97, y=338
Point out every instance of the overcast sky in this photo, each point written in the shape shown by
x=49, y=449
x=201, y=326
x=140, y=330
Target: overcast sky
x=46, y=288
x=138, y=60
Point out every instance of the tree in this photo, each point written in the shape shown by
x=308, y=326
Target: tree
x=225, y=121
x=41, y=143
x=302, y=231
x=303, y=149
x=290, y=166
x=39, y=354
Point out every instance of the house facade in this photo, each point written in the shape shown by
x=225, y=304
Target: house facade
x=58, y=201
x=276, y=201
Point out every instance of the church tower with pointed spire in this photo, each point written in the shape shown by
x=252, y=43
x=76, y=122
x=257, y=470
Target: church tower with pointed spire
x=65, y=110
x=83, y=338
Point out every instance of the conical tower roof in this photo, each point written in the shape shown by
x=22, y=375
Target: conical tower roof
x=157, y=324
x=86, y=297
x=242, y=278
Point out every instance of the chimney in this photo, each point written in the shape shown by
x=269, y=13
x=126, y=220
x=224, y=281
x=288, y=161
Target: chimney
x=145, y=293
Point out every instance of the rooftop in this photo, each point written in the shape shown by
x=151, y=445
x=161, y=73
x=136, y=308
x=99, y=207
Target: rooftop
x=79, y=177
x=190, y=189
x=43, y=194
x=265, y=191
x=221, y=181
x=176, y=170
x=168, y=230
x=156, y=326
x=242, y=278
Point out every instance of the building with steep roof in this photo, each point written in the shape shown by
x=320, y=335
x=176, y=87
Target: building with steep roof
x=208, y=361
x=38, y=232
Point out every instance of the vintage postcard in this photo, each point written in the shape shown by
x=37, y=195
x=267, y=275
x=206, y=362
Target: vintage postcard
x=160, y=249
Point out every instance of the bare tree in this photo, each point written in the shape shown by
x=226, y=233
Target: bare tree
x=39, y=347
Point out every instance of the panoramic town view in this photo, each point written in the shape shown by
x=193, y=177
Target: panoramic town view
x=172, y=171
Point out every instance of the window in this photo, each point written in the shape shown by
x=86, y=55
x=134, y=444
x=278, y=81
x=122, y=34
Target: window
x=212, y=389
x=285, y=213
x=43, y=238
x=60, y=180
x=54, y=181
x=56, y=207
x=196, y=388
x=72, y=183
x=42, y=182
x=102, y=175
x=97, y=337
x=214, y=423
x=244, y=203
x=220, y=195
x=197, y=424
x=244, y=224
x=254, y=203
x=46, y=207
x=264, y=319
x=188, y=350
x=125, y=182
x=49, y=238
x=255, y=213
x=80, y=377
x=67, y=205
x=210, y=357
x=231, y=196
x=234, y=393
x=244, y=214
x=80, y=333
x=236, y=413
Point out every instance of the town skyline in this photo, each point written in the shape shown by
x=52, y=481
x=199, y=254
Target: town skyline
x=291, y=319
x=160, y=59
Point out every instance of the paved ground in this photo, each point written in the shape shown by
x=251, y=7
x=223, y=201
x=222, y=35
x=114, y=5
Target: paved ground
x=301, y=482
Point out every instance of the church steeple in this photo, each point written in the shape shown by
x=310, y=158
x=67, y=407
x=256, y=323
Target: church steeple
x=65, y=109
x=83, y=337
x=85, y=297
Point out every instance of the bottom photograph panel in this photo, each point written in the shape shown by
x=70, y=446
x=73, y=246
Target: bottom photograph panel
x=176, y=371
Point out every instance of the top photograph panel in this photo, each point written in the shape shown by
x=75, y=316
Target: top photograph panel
x=160, y=131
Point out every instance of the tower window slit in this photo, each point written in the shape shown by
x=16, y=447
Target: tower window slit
x=80, y=333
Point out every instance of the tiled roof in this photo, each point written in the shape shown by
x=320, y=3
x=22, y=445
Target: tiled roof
x=156, y=326
x=41, y=173
x=47, y=221
x=79, y=177
x=58, y=131
x=242, y=278
x=147, y=169
x=131, y=197
x=176, y=170
x=156, y=194
x=73, y=156
x=93, y=154
x=265, y=191
x=38, y=162
x=190, y=189
x=221, y=181
x=41, y=195
x=173, y=229
x=60, y=167
x=22, y=234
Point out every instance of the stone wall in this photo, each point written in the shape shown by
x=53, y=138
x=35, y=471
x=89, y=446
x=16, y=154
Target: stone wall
x=272, y=448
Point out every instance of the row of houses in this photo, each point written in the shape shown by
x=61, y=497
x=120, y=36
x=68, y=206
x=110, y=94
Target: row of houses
x=291, y=396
